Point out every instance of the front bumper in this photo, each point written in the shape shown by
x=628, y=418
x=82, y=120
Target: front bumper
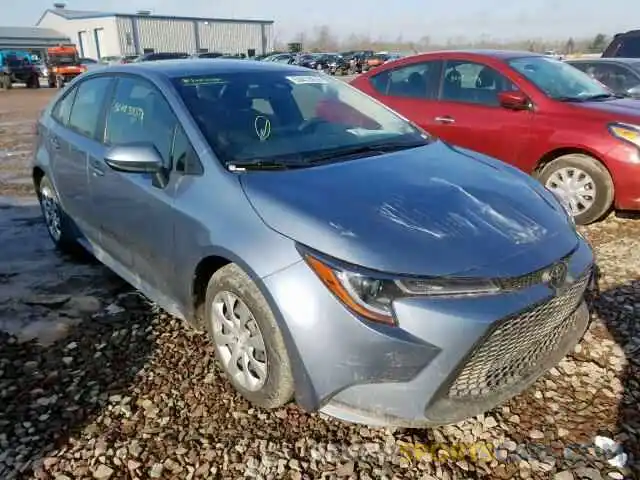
x=624, y=164
x=449, y=359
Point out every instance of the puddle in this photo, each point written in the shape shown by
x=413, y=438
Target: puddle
x=30, y=267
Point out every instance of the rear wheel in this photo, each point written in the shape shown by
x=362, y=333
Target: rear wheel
x=583, y=183
x=56, y=221
x=248, y=342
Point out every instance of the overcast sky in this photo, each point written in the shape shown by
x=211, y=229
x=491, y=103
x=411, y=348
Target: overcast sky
x=499, y=19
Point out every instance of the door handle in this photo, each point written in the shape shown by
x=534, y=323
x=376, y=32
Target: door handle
x=55, y=143
x=446, y=119
x=97, y=167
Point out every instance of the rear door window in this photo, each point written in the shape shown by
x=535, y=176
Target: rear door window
x=87, y=107
x=416, y=80
x=629, y=47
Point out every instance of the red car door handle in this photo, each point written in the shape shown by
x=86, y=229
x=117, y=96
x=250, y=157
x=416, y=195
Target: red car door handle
x=445, y=119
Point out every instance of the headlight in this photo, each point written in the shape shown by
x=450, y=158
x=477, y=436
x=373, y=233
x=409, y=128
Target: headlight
x=628, y=133
x=371, y=294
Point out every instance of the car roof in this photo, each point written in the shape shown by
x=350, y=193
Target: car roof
x=194, y=67
x=632, y=61
x=498, y=54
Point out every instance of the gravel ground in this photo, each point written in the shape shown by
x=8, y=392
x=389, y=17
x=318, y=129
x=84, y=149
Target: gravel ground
x=96, y=383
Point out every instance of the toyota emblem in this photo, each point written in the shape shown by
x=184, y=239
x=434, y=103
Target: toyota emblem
x=556, y=276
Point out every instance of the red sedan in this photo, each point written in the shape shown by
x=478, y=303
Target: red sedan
x=539, y=114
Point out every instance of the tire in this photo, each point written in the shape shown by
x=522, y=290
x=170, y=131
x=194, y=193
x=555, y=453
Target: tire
x=59, y=82
x=62, y=235
x=276, y=387
x=36, y=81
x=7, y=82
x=582, y=165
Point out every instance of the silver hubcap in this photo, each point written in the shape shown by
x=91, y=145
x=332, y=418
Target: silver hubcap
x=238, y=341
x=575, y=187
x=51, y=213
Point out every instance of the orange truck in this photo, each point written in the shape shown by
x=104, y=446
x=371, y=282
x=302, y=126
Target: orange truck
x=63, y=65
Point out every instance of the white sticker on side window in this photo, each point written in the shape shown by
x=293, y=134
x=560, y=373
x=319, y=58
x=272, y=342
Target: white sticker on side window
x=306, y=79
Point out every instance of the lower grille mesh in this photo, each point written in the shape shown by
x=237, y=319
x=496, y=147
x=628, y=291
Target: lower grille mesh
x=517, y=345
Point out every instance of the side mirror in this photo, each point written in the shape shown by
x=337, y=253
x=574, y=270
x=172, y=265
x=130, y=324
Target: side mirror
x=138, y=158
x=634, y=92
x=514, y=100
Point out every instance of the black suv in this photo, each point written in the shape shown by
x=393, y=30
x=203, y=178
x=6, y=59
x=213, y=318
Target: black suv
x=15, y=69
x=625, y=45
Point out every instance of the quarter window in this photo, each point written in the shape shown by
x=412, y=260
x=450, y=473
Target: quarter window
x=139, y=113
x=418, y=80
x=85, y=113
x=62, y=109
x=471, y=82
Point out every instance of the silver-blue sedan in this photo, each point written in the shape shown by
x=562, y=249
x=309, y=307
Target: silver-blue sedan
x=336, y=254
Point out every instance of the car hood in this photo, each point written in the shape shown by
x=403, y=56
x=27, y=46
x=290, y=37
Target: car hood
x=626, y=107
x=433, y=210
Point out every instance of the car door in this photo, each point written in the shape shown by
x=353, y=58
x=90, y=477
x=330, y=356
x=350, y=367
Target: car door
x=63, y=174
x=411, y=90
x=135, y=211
x=468, y=112
x=76, y=142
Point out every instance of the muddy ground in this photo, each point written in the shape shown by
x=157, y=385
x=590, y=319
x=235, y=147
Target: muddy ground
x=95, y=382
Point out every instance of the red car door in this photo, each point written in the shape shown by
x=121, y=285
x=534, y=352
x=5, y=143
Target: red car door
x=411, y=89
x=468, y=112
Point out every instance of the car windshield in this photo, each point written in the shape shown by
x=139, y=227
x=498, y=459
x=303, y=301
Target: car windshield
x=14, y=61
x=63, y=59
x=558, y=79
x=291, y=118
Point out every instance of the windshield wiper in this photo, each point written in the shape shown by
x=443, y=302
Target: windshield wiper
x=599, y=96
x=569, y=99
x=376, y=149
x=263, y=164
x=602, y=96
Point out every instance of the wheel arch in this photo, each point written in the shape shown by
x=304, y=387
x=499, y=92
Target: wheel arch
x=217, y=258
x=552, y=155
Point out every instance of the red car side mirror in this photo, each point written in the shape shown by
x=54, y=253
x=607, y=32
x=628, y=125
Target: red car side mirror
x=514, y=100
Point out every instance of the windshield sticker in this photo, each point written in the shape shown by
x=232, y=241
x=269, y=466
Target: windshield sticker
x=203, y=81
x=306, y=79
x=263, y=127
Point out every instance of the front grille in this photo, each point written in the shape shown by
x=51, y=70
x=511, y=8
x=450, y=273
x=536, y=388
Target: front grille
x=516, y=347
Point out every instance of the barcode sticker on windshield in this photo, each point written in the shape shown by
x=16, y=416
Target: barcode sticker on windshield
x=302, y=79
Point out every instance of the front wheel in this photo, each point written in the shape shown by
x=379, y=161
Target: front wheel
x=248, y=342
x=583, y=183
x=6, y=82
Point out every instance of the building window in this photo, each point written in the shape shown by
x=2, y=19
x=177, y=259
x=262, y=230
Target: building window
x=128, y=39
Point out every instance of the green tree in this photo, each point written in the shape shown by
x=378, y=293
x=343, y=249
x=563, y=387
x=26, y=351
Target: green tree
x=598, y=44
x=570, y=47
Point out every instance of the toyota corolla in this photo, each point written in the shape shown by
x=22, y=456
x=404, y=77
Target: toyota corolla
x=336, y=253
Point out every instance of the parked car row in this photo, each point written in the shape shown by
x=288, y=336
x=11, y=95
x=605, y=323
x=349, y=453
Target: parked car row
x=367, y=269
x=542, y=115
x=335, y=63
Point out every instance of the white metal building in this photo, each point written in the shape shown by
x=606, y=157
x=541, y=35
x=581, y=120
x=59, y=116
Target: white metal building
x=105, y=34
